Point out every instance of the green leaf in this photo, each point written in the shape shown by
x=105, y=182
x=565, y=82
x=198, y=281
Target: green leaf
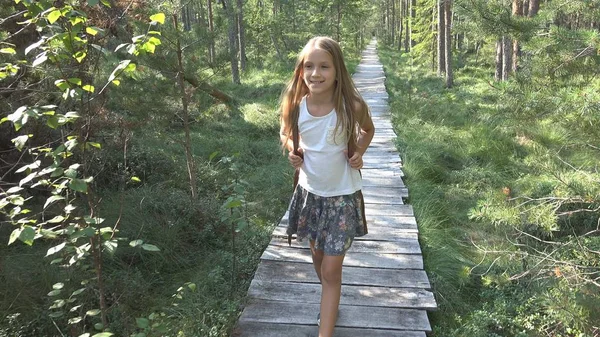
x=54, y=15
x=106, y=3
x=93, y=312
x=92, y=30
x=192, y=286
x=56, y=249
x=74, y=320
x=116, y=82
x=54, y=292
x=99, y=326
x=61, y=84
x=93, y=2
x=53, y=199
x=103, y=334
x=151, y=248
x=77, y=292
x=142, y=322
x=233, y=203
x=87, y=334
x=158, y=17
x=96, y=145
x=27, y=235
x=136, y=243
x=57, y=286
x=14, y=235
x=52, y=122
x=139, y=334
x=79, y=56
x=149, y=47
x=7, y=51
x=41, y=58
x=20, y=141
x=14, y=189
x=89, y=88
x=78, y=185
x=57, y=219
x=135, y=179
x=74, y=80
x=111, y=246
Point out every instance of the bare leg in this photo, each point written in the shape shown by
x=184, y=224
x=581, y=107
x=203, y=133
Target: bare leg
x=331, y=287
x=317, y=257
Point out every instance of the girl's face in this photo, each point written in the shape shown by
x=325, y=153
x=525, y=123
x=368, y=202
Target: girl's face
x=318, y=72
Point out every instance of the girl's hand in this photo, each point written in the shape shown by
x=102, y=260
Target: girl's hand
x=356, y=161
x=295, y=160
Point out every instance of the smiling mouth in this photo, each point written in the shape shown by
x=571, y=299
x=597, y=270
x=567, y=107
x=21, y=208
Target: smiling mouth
x=316, y=82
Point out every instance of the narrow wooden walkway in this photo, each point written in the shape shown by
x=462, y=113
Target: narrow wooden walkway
x=385, y=291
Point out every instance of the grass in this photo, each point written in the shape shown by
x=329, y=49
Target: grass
x=465, y=151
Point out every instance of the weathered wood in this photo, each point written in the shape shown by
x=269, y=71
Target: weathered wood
x=377, y=231
x=379, y=181
x=409, y=298
x=401, y=246
x=392, y=196
x=254, y=329
x=354, y=259
x=389, y=210
x=349, y=316
x=304, y=273
x=381, y=172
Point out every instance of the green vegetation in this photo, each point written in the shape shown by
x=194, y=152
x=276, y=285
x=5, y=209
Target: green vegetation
x=140, y=179
x=503, y=179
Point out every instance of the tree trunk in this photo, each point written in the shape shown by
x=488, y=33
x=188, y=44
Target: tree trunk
x=189, y=156
x=534, y=6
x=498, y=75
x=233, y=41
x=407, y=25
x=441, y=38
x=506, y=57
x=241, y=34
x=413, y=17
x=211, y=39
x=517, y=10
x=393, y=22
x=448, y=43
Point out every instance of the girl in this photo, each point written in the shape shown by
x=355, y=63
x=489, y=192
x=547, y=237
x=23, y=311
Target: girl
x=326, y=127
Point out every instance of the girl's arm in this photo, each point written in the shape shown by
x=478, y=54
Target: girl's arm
x=367, y=131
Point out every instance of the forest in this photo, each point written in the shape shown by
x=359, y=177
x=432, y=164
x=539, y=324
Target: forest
x=141, y=174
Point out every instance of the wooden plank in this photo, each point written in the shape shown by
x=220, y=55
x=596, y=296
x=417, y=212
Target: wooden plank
x=408, y=298
x=376, y=231
x=381, y=172
x=383, y=193
x=374, y=198
x=387, y=223
x=259, y=329
x=348, y=316
x=354, y=259
x=304, y=273
x=398, y=210
x=381, y=158
x=379, y=181
x=402, y=246
x=384, y=166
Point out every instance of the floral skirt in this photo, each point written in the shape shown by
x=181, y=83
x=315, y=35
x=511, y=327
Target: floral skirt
x=332, y=222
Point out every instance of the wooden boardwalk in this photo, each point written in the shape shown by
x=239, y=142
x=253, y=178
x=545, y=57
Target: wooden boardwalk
x=385, y=291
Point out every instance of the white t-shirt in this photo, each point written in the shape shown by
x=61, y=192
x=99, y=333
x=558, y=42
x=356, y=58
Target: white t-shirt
x=325, y=171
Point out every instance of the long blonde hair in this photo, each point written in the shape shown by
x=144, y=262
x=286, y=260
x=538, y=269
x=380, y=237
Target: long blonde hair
x=345, y=94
